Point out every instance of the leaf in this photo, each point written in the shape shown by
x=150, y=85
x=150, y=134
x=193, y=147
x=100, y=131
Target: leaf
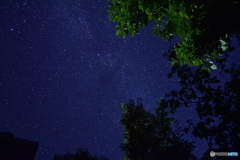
x=118, y=27
x=128, y=27
x=223, y=42
x=184, y=43
x=140, y=6
x=148, y=12
x=197, y=62
x=186, y=16
x=124, y=35
x=119, y=32
x=150, y=17
x=173, y=63
x=224, y=48
x=170, y=7
x=181, y=14
x=213, y=66
x=211, y=62
x=122, y=22
x=215, y=53
x=132, y=33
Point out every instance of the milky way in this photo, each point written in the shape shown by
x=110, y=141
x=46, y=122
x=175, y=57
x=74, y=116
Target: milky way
x=64, y=74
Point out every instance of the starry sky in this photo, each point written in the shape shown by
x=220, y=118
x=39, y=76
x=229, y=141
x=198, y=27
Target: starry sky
x=64, y=74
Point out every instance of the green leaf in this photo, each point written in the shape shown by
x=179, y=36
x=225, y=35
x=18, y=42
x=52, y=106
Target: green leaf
x=197, y=62
x=170, y=7
x=122, y=22
x=140, y=7
x=186, y=16
x=213, y=66
x=124, y=35
x=148, y=12
x=215, y=53
x=150, y=17
x=173, y=62
x=129, y=27
x=118, y=27
x=181, y=14
x=184, y=43
x=119, y=32
x=132, y=33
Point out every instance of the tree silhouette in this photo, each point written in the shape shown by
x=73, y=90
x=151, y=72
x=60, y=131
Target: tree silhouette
x=81, y=154
x=205, y=27
x=148, y=136
x=217, y=106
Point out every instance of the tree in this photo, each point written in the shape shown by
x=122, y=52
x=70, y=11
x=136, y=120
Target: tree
x=81, y=154
x=205, y=27
x=217, y=106
x=148, y=136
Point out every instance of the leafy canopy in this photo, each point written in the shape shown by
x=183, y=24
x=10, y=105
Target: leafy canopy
x=217, y=105
x=205, y=27
x=150, y=136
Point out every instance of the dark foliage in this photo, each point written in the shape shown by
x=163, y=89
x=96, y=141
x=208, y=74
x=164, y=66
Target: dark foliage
x=81, y=154
x=217, y=106
x=150, y=136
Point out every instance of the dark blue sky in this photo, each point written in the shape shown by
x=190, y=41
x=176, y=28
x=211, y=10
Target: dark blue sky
x=64, y=73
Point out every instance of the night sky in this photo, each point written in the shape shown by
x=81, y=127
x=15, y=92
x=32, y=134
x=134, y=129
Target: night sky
x=64, y=74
